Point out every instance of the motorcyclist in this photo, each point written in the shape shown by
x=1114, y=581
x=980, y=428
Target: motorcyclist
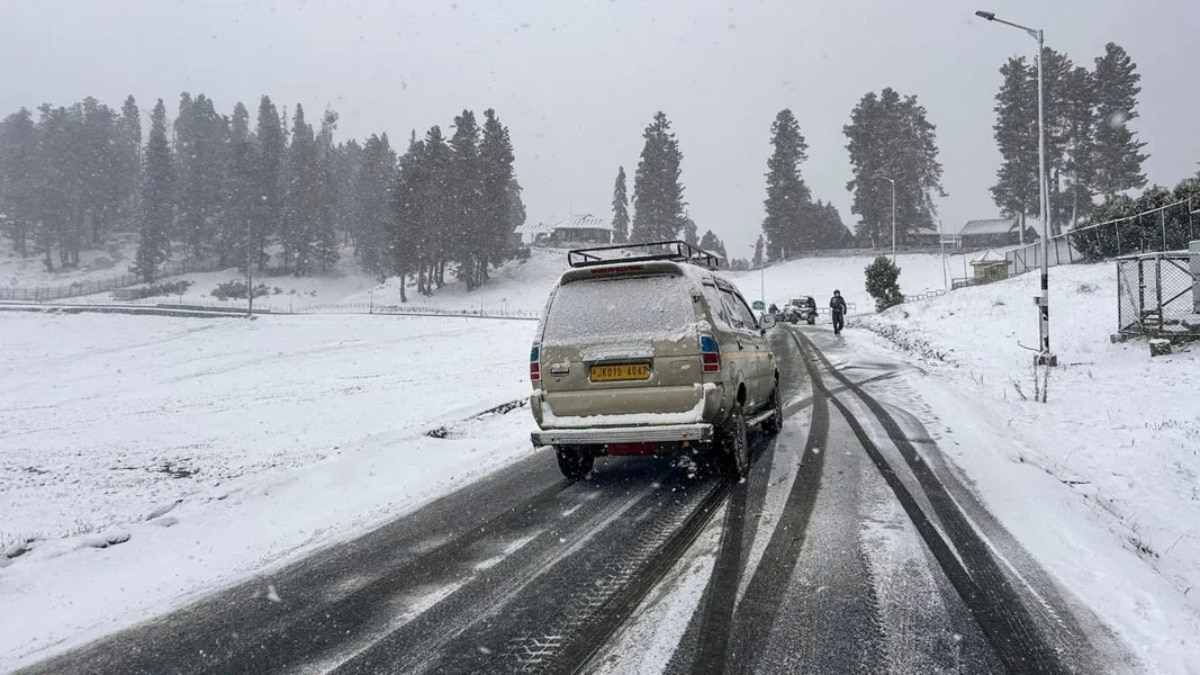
x=773, y=309
x=837, y=309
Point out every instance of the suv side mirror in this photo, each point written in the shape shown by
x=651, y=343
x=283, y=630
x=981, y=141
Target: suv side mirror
x=767, y=322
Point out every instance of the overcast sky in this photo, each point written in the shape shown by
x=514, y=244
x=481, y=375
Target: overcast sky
x=577, y=82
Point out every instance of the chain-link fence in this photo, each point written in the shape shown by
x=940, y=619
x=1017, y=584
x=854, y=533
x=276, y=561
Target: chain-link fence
x=1166, y=228
x=1157, y=296
x=101, y=285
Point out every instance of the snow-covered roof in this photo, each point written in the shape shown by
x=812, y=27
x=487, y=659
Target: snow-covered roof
x=533, y=228
x=989, y=226
x=988, y=256
x=583, y=221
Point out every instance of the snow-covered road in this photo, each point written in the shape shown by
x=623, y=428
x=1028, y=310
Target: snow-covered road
x=819, y=563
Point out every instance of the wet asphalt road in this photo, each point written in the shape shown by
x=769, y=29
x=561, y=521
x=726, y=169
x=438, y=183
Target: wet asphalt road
x=850, y=548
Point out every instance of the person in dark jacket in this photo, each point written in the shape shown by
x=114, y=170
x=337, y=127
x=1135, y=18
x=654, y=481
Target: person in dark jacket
x=837, y=309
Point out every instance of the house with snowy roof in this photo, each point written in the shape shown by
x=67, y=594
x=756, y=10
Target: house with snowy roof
x=582, y=228
x=993, y=232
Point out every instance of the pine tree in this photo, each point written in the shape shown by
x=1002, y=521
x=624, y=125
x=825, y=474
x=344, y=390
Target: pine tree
x=620, y=206
x=269, y=190
x=516, y=209
x=464, y=188
x=1118, y=152
x=1016, y=191
x=100, y=166
x=688, y=231
x=200, y=143
x=129, y=153
x=711, y=243
x=60, y=196
x=883, y=283
x=657, y=192
x=18, y=175
x=237, y=242
x=438, y=211
x=347, y=162
x=759, y=250
x=374, y=216
x=409, y=241
x=787, y=195
x=891, y=136
x=498, y=189
x=301, y=205
x=1079, y=170
x=325, y=197
x=157, y=199
x=1058, y=96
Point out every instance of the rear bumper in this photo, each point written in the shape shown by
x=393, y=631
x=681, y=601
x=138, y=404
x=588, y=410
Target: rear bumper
x=666, y=433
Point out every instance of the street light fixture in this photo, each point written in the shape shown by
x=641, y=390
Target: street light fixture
x=1044, y=357
x=893, y=182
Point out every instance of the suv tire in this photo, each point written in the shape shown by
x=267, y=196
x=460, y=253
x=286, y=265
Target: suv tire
x=774, y=424
x=574, y=461
x=732, y=447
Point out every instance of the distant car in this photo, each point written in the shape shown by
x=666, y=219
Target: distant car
x=643, y=349
x=803, y=308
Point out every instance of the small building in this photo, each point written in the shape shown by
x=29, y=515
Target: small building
x=578, y=229
x=989, y=267
x=993, y=232
x=925, y=236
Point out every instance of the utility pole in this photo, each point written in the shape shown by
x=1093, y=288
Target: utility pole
x=893, y=182
x=1044, y=357
x=249, y=271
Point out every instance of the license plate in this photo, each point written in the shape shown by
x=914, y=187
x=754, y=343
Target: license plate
x=624, y=371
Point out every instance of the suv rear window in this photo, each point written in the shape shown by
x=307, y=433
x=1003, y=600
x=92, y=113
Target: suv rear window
x=607, y=309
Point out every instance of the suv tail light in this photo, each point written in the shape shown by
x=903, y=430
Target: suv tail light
x=710, y=353
x=535, y=365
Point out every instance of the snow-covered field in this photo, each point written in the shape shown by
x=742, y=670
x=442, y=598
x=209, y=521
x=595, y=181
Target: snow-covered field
x=221, y=448
x=516, y=287
x=113, y=259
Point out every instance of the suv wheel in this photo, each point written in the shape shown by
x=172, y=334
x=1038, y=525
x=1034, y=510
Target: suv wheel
x=574, y=461
x=774, y=404
x=732, y=447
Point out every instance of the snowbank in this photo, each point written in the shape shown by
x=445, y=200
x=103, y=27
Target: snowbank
x=1102, y=482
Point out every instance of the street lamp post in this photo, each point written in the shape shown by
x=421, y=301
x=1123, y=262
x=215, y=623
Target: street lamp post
x=1044, y=357
x=893, y=182
x=762, y=274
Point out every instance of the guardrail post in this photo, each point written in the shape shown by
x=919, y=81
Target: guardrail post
x=1158, y=289
x=1194, y=254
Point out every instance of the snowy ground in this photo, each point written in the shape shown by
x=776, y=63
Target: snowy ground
x=1102, y=482
x=225, y=447
x=920, y=274
x=113, y=259
x=516, y=287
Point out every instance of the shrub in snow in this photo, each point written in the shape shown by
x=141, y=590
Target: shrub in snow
x=237, y=289
x=153, y=290
x=883, y=283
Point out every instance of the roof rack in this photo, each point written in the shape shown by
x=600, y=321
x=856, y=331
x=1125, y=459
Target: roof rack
x=675, y=251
